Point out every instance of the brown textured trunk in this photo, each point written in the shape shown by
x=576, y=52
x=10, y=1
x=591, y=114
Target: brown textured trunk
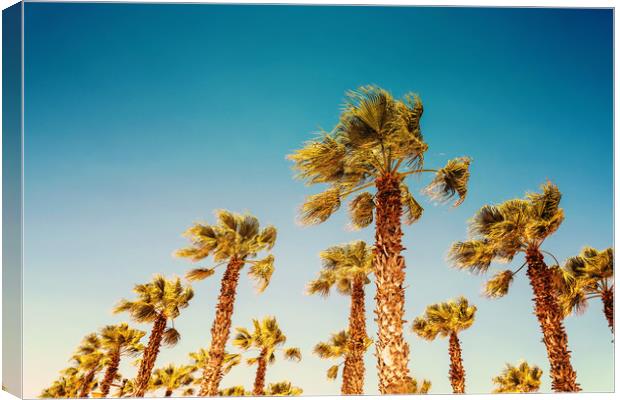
x=457, y=372
x=87, y=384
x=220, y=331
x=608, y=307
x=149, y=356
x=261, y=371
x=168, y=393
x=110, y=372
x=563, y=376
x=391, y=349
x=353, y=371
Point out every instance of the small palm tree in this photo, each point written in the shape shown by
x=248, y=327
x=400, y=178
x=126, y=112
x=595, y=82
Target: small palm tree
x=158, y=302
x=499, y=233
x=337, y=348
x=89, y=360
x=233, y=391
x=266, y=338
x=284, y=388
x=171, y=378
x=125, y=388
x=118, y=341
x=522, y=378
x=378, y=142
x=447, y=320
x=587, y=276
x=347, y=268
x=66, y=386
x=234, y=241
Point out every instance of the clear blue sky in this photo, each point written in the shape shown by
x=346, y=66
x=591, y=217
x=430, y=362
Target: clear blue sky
x=141, y=119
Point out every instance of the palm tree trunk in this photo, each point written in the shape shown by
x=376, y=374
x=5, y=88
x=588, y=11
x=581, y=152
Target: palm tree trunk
x=168, y=393
x=391, y=349
x=550, y=317
x=86, y=385
x=261, y=371
x=220, y=331
x=457, y=372
x=608, y=307
x=110, y=372
x=149, y=356
x=353, y=371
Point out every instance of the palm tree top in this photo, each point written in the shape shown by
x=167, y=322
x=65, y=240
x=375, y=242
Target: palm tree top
x=522, y=378
x=376, y=136
x=160, y=297
x=499, y=232
x=445, y=318
x=201, y=359
x=123, y=338
x=267, y=336
x=233, y=236
x=283, y=388
x=341, y=265
x=172, y=377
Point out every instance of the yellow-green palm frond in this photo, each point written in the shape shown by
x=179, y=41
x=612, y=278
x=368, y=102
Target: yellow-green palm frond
x=335, y=347
x=172, y=377
x=171, y=337
x=283, y=388
x=546, y=204
x=473, y=255
x=499, y=284
x=451, y=180
x=412, y=210
x=320, y=160
x=445, y=318
x=361, y=210
x=198, y=274
x=122, y=337
x=261, y=271
x=292, y=354
x=522, y=378
x=332, y=372
x=411, y=386
x=322, y=284
x=233, y=391
x=319, y=207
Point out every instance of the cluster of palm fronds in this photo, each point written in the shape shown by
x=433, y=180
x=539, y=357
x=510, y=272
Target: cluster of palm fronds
x=374, y=148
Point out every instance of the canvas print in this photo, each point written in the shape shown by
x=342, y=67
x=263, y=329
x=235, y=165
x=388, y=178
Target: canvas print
x=280, y=200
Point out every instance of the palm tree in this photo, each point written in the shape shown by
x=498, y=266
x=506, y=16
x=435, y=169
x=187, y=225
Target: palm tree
x=337, y=347
x=158, y=301
x=233, y=391
x=587, y=276
x=235, y=241
x=89, y=360
x=126, y=388
x=171, y=378
x=522, y=378
x=447, y=320
x=118, y=341
x=378, y=142
x=66, y=386
x=347, y=267
x=499, y=232
x=283, y=388
x=266, y=339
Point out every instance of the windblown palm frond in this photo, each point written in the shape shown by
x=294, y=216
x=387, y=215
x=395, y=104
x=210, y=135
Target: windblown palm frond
x=522, y=378
x=445, y=318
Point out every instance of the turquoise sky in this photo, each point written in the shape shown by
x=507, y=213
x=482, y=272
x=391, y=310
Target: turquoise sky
x=141, y=119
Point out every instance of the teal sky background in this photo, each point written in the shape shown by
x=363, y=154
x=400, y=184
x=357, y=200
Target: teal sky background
x=141, y=119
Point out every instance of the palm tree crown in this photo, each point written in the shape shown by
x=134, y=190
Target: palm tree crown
x=376, y=136
x=172, y=377
x=335, y=348
x=267, y=336
x=522, y=378
x=444, y=319
x=234, y=236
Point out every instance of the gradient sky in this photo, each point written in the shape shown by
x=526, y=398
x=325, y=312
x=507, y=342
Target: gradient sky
x=141, y=119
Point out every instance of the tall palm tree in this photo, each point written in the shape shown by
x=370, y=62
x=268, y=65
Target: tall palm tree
x=337, y=347
x=171, y=378
x=266, y=338
x=347, y=268
x=500, y=232
x=118, y=341
x=587, y=276
x=158, y=302
x=235, y=240
x=89, y=360
x=378, y=142
x=283, y=388
x=522, y=378
x=447, y=320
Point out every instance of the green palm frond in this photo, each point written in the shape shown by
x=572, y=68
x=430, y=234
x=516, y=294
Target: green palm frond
x=499, y=284
x=199, y=274
x=361, y=210
x=292, y=354
x=234, y=391
x=518, y=379
x=261, y=272
x=445, y=318
x=319, y=207
x=171, y=337
x=412, y=210
x=451, y=180
x=283, y=388
x=332, y=372
x=474, y=255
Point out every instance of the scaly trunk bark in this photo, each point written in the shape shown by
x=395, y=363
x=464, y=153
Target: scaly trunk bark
x=353, y=371
x=261, y=371
x=391, y=349
x=220, y=331
x=457, y=372
x=608, y=307
x=550, y=317
x=168, y=393
x=149, y=356
x=110, y=372
x=86, y=385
